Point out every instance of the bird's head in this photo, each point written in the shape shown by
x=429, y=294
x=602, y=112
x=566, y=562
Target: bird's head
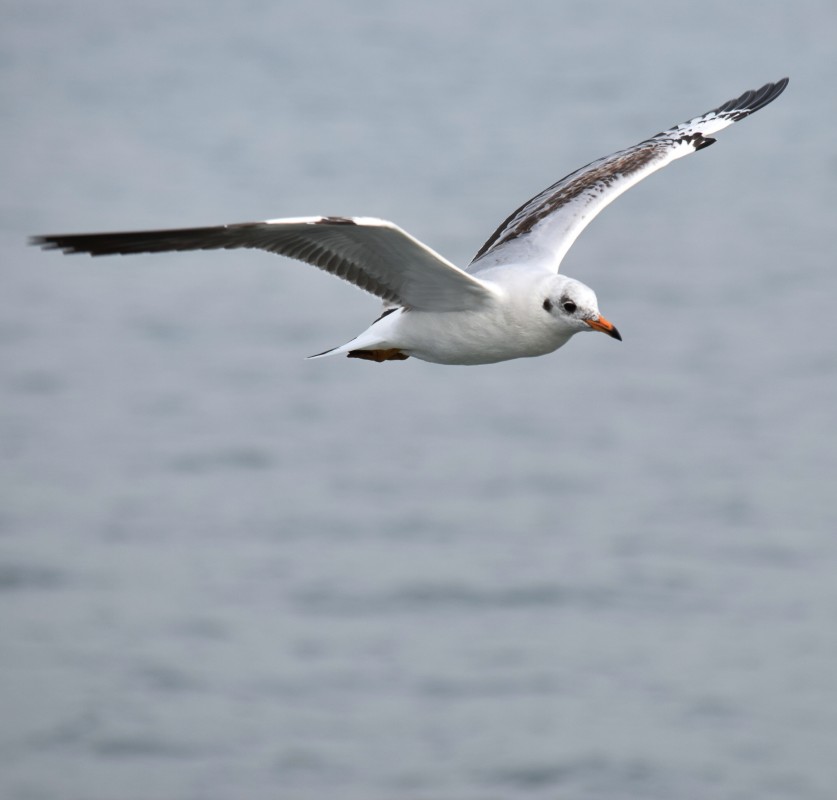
x=574, y=306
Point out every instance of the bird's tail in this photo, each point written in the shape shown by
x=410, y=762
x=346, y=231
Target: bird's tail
x=371, y=345
x=367, y=348
x=335, y=351
x=369, y=354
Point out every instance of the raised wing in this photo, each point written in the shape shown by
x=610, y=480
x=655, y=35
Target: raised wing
x=546, y=226
x=371, y=253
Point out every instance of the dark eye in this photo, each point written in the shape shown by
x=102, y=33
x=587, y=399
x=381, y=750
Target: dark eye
x=547, y=304
x=569, y=306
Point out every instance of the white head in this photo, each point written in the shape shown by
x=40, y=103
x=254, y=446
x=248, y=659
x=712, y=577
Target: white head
x=574, y=306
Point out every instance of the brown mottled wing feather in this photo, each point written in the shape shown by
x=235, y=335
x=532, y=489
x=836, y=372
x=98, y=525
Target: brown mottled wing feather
x=546, y=226
x=373, y=254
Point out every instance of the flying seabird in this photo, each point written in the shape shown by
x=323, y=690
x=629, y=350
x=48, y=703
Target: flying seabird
x=510, y=302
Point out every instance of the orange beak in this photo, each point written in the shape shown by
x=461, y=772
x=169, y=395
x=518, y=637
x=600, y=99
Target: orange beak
x=601, y=324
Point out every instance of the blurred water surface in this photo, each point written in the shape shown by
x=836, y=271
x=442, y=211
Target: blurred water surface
x=227, y=572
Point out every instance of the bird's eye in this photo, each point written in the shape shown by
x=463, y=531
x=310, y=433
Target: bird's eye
x=569, y=307
x=547, y=304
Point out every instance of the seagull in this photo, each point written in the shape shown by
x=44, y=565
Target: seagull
x=510, y=302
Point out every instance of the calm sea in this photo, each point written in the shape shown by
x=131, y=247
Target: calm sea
x=227, y=572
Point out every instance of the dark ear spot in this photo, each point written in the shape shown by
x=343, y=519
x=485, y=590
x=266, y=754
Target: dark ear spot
x=547, y=304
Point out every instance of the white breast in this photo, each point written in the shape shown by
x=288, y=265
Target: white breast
x=514, y=328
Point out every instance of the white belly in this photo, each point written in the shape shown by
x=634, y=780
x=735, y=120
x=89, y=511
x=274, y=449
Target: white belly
x=473, y=337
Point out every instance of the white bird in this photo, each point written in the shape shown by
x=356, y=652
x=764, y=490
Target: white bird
x=510, y=302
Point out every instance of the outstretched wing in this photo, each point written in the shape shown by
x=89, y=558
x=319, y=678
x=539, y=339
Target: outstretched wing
x=546, y=226
x=371, y=253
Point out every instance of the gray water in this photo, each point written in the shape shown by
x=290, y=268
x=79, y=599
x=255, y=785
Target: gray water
x=227, y=572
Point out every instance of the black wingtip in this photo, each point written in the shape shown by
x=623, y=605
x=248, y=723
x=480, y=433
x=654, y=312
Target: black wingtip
x=52, y=243
x=753, y=100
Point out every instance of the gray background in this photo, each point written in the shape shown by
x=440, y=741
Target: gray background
x=228, y=572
